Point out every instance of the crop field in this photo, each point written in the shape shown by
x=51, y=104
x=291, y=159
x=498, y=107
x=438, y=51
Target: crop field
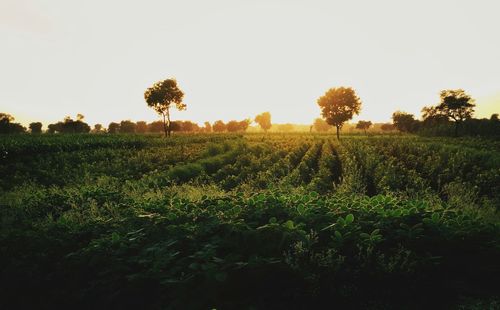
x=249, y=221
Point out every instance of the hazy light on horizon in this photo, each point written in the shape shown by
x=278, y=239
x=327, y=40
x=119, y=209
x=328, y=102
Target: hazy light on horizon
x=236, y=59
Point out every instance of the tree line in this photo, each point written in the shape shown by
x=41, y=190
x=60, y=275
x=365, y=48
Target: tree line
x=453, y=115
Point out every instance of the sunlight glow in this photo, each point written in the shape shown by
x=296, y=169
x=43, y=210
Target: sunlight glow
x=236, y=59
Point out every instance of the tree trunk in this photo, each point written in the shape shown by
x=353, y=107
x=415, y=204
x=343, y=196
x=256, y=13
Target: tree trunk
x=169, y=123
x=164, y=125
x=338, y=135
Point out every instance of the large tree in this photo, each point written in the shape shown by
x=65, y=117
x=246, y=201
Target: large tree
x=161, y=97
x=455, y=104
x=338, y=105
x=264, y=121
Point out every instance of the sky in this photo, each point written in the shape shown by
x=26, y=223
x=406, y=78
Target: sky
x=237, y=58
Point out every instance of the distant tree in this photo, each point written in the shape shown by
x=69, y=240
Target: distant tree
x=70, y=126
x=208, y=127
x=188, y=126
x=243, y=125
x=36, y=128
x=161, y=97
x=363, y=125
x=233, y=126
x=7, y=126
x=141, y=127
x=127, y=127
x=320, y=125
x=53, y=128
x=113, y=128
x=219, y=126
x=387, y=127
x=432, y=117
x=156, y=126
x=6, y=118
x=455, y=104
x=494, y=117
x=176, y=126
x=404, y=122
x=264, y=121
x=238, y=126
x=97, y=128
x=338, y=105
x=80, y=117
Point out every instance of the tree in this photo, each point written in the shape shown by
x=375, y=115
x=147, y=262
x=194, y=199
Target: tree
x=235, y=126
x=36, y=128
x=97, y=128
x=156, y=126
x=113, y=128
x=70, y=126
x=494, y=117
x=7, y=126
x=208, y=127
x=338, y=105
x=320, y=125
x=219, y=126
x=127, y=127
x=141, y=127
x=264, y=121
x=161, y=97
x=404, y=122
x=456, y=105
x=363, y=125
x=431, y=116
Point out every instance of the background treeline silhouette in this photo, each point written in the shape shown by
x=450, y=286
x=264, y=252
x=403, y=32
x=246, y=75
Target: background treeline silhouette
x=429, y=125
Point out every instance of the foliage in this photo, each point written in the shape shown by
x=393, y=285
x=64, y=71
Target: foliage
x=232, y=221
x=338, y=105
x=7, y=126
x=36, y=127
x=219, y=126
x=264, y=121
x=404, y=122
x=363, y=125
x=161, y=97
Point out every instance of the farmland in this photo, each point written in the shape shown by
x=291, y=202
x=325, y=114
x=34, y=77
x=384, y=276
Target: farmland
x=249, y=221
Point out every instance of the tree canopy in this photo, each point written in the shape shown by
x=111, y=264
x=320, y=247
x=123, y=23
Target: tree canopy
x=455, y=104
x=363, y=125
x=338, y=105
x=264, y=121
x=404, y=122
x=161, y=97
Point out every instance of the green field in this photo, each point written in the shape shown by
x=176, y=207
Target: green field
x=252, y=221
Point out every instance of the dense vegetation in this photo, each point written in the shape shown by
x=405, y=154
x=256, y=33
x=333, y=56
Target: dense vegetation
x=249, y=221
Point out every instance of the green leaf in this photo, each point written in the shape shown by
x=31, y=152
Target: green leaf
x=349, y=218
x=435, y=217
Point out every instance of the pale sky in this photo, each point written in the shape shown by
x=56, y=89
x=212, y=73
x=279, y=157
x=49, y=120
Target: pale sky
x=237, y=58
